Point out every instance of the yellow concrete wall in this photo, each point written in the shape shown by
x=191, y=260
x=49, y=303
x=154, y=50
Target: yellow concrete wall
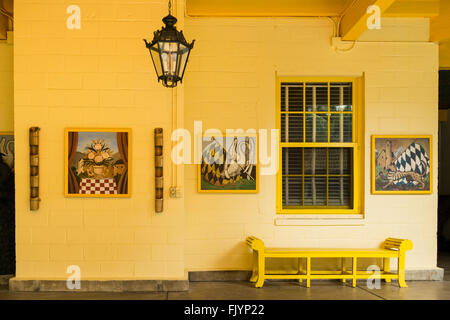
x=231, y=84
x=99, y=76
x=6, y=87
x=399, y=29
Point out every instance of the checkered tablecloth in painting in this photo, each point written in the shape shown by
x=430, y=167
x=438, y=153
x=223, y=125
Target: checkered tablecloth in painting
x=98, y=186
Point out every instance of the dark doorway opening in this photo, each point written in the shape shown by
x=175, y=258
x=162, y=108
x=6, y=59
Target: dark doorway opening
x=7, y=211
x=444, y=171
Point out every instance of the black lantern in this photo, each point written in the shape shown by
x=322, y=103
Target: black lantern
x=170, y=52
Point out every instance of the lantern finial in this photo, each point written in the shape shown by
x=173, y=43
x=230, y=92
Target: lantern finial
x=169, y=20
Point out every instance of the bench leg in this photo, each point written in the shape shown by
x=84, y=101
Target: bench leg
x=308, y=272
x=387, y=267
x=254, y=276
x=354, y=272
x=343, y=268
x=261, y=271
x=401, y=271
x=300, y=268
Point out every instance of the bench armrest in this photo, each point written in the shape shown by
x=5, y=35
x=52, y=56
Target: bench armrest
x=255, y=243
x=398, y=244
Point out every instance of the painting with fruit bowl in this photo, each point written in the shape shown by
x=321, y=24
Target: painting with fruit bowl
x=97, y=162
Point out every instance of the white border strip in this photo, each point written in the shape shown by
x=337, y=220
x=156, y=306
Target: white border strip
x=320, y=220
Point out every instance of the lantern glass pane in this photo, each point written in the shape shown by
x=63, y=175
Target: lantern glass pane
x=169, y=54
x=183, y=59
x=179, y=56
x=154, y=53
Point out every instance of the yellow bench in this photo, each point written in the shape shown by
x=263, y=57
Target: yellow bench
x=392, y=248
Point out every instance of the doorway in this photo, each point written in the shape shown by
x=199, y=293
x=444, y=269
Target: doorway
x=444, y=171
x=7, y=206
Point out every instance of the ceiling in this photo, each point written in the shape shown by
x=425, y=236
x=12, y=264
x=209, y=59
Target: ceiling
x=398, y=8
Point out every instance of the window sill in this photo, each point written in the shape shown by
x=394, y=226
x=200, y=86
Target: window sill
x=320, y=220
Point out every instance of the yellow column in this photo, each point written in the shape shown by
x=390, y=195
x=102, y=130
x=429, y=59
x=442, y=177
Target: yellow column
x=354, y=272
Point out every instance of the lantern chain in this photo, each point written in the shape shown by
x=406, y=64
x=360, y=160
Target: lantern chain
x=170, y=7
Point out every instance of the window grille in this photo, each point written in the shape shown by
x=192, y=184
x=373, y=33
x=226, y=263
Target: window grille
x=317, y=145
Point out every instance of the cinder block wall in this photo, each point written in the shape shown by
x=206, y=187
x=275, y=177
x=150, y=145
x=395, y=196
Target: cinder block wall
x=231, y=84
x=98, y=76
x=102, y=76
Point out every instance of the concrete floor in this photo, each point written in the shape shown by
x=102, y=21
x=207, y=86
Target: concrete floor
x=239, y=290
x=272, y=290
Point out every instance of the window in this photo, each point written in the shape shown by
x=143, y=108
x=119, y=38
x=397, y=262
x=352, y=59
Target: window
x=320, y=148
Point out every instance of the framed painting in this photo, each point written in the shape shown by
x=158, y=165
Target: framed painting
x=229, y=164
x=97, y=162
x=7, y=148
x=402, y=164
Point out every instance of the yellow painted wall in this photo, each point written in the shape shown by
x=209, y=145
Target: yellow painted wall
x=399, y=29
x=102, y=76
x=6, y=87
x=231, y=84
x=99, y=76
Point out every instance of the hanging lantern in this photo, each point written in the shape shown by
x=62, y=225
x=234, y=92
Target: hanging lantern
x=170, y=52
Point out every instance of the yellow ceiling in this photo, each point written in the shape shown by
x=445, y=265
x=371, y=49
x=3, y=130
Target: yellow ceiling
x=399, y=8
x=413, y=8
x=266, y=7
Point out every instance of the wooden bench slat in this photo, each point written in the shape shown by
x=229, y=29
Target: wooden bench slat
x=324, y=250
x=392, y=248
x=336, y=254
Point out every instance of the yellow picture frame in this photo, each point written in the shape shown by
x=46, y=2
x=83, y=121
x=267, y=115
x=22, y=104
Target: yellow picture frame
x=127, y=165
x=396, y=169
x=224, y=189
x=358, y=145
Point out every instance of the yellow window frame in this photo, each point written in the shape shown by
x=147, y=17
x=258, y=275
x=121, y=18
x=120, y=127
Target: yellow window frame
x=357, y=145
